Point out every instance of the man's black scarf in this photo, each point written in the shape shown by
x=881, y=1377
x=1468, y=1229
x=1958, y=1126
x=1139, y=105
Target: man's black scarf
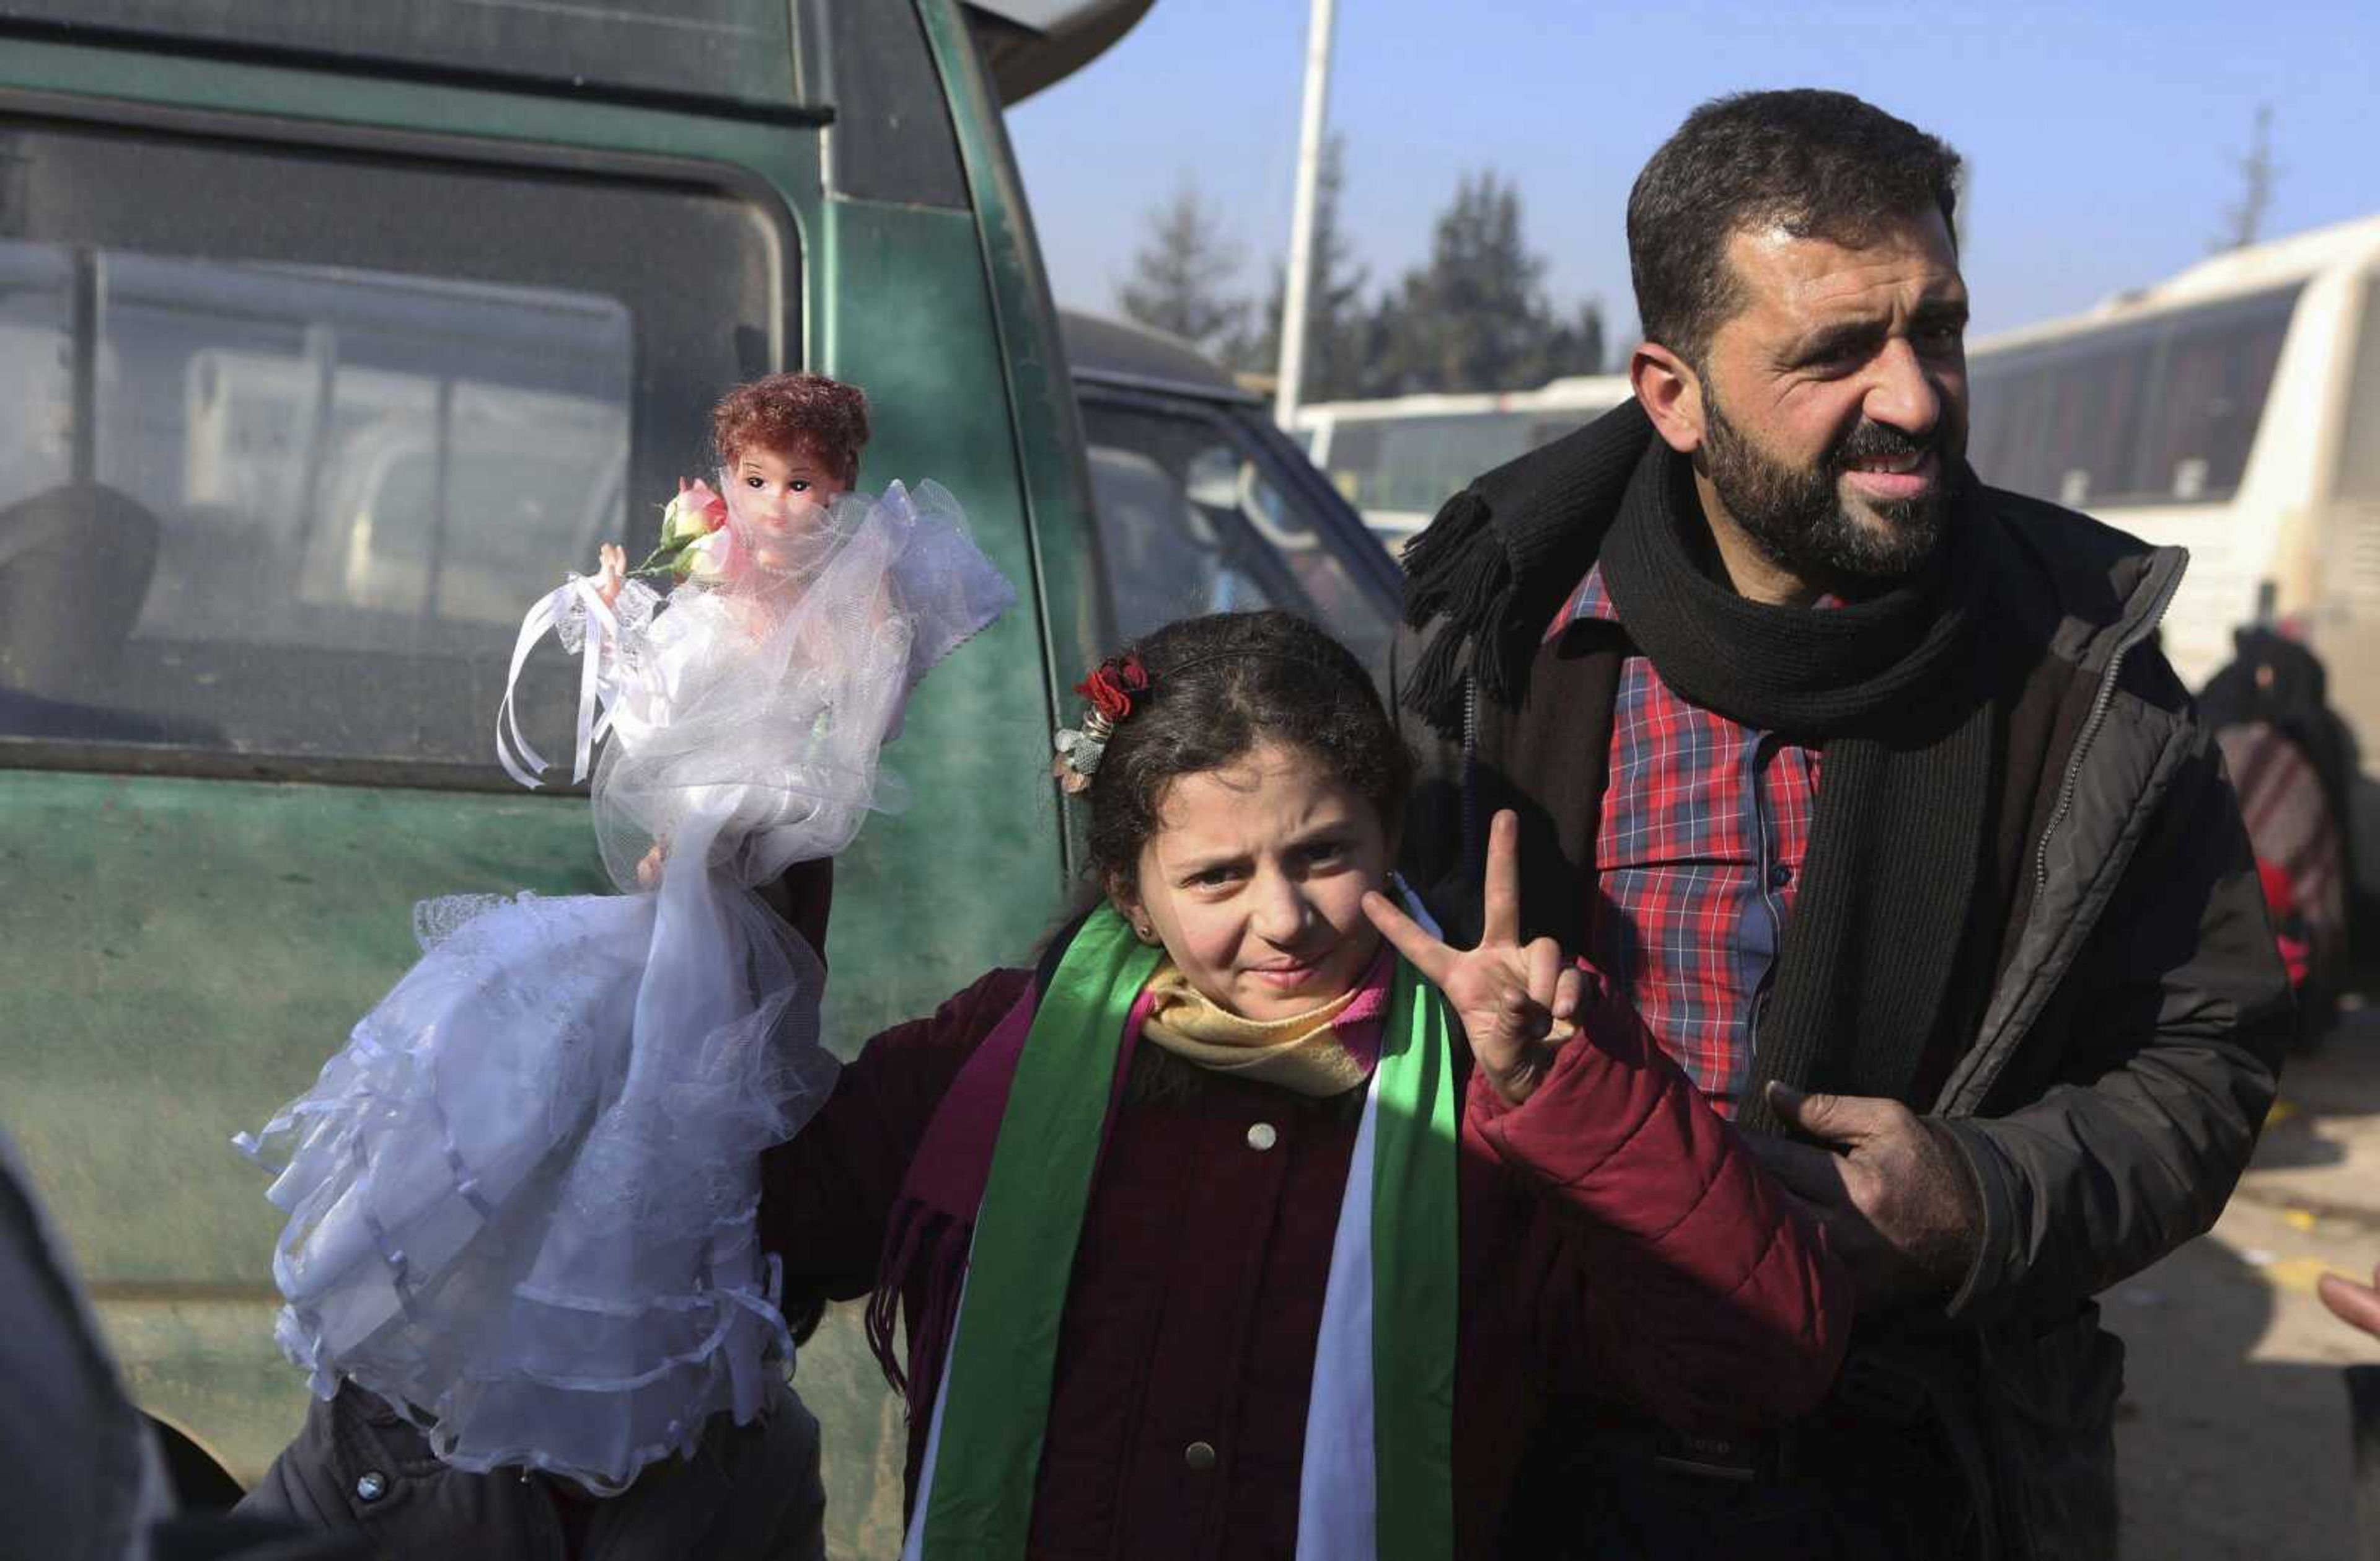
x=1891, y=689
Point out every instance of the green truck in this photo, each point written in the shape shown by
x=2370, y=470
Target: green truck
x=330, y=337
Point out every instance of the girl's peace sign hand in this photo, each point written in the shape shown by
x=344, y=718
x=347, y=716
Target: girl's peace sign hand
x=1515, y=1000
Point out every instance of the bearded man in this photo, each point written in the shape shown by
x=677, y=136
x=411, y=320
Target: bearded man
x=1868, y=785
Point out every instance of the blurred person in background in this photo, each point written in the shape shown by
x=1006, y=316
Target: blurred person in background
x=2293, y=762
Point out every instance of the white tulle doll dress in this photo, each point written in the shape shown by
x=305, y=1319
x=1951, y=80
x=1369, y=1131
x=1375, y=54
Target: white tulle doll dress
x=522, y=1199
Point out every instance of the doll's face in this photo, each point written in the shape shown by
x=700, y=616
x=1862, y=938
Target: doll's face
x=780, y=500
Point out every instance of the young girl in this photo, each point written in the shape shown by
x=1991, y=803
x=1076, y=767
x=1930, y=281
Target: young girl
x=522, y=1199
x=1255, y=1221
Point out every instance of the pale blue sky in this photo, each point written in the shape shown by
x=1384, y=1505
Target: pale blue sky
x=2099, y=138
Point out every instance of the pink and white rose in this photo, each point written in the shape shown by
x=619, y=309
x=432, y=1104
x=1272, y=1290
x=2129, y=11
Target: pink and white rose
x=696, y=511
x=714, y=558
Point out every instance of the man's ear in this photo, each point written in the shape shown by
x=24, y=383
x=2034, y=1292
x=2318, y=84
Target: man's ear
x=1671, y=393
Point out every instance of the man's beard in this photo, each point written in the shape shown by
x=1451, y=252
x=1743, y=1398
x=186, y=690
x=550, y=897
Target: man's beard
x=1797, y=516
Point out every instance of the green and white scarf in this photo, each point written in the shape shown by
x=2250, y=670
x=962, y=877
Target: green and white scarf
x=1378, y=1477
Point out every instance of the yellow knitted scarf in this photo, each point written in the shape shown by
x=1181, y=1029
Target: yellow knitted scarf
x=1302, y=1052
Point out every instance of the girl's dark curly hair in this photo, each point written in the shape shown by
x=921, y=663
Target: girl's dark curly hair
x=1220, y=685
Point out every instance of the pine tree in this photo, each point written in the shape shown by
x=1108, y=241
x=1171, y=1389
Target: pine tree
x=1574, y=345
x=2244, y=221
x=1181, y=276
x=1474, y=317
x=1339, y=344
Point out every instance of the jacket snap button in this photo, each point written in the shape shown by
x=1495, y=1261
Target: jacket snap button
x=1199, y=1455
x=371, y=1487
x=1262, y=1136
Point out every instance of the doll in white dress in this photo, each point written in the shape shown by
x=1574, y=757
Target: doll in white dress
x=521, y=1200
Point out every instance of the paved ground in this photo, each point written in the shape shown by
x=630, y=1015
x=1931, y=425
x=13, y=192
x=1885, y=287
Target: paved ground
x=2233, y=1432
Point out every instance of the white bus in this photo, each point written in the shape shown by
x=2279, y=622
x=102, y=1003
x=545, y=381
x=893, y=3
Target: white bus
x=2233, y=409
x=1397, y=459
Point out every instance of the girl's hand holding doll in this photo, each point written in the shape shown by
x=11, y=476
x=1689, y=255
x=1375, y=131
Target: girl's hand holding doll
x=1515, y=1000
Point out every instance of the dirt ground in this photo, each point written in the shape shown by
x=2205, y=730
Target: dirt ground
x=2232, y=1437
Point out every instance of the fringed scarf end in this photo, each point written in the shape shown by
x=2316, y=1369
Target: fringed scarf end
x=924, y=1258
x=1459, y=576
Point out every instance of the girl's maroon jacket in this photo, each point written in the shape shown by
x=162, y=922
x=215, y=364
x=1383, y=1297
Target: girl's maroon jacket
x=1616, y=1238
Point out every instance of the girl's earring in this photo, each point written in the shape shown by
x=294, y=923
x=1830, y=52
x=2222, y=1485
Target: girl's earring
x=1144, y=931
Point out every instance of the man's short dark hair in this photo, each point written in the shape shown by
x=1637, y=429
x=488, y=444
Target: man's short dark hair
x=1819, y=164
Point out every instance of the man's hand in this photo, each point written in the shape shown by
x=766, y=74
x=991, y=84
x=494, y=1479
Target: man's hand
x=1896, y=1203
x=2359, y=1304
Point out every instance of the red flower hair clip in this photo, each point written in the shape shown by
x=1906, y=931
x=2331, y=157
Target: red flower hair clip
x=1112, y=683
x=1109, y=689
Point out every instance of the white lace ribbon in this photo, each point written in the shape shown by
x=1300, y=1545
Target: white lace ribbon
x=520, y=761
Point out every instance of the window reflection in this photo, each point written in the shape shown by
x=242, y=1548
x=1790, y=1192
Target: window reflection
x=296, y=439
x=1190, y=522
x=285, y=458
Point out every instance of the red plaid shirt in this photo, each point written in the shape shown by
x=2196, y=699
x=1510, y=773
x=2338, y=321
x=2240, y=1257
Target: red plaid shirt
x=1699, y=852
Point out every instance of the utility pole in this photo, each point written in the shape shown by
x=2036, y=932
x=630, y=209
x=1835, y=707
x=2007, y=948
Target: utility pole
x=1292, y=367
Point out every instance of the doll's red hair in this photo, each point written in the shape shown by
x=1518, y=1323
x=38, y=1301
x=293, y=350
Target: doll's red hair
x=787, y=412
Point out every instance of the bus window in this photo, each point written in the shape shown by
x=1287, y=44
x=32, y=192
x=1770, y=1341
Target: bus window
x=1412, y=463
x=2359, y=445
x=1191, y=521
x=1354, y=462
x=330, y=463
x=2210, y=396
x=2160, y=412
x=1546, y=428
